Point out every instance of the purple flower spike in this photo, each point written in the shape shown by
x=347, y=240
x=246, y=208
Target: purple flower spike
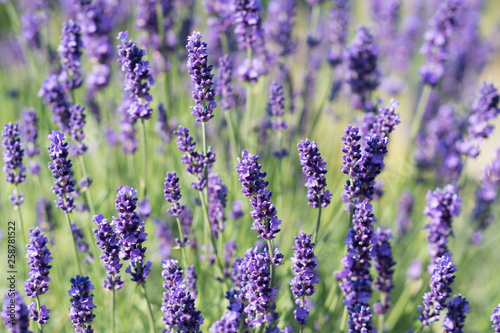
x=81, y=244
x=279, y=25
x=314, y=168
x=266, y=222
x=61, y=169
x=435, y=300
x=382, y=256
x=442, y=205
x=276, y=106
x=29, y=132
x=337, y=31
x=191, y=278
x=54, y=95
x=256, y=292
x=15, y=313
x=41, y=316
x=39, y=259
x=437, y=36
x=107, y=240
x=248, y=25
x=495, y=319
x=195, y=162
x=172, y=193
x=352, y=151
x=82, y=302
x=224, y=87
x=405, y=209
x=129, y=227
x=386, y=119
x=178, y=306
x=362, y=55
x=305, y=277
x=455, y=318
x=138, y=79
x=360, y=320
x=199, y=70
x=70, y=52
x=228, y=323
x=13, y=159
x=76, y=123
x=217, y=199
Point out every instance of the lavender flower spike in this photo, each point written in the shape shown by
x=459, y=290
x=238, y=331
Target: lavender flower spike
x=82, y=302
x=224, y=87
x=107, y=240
x=435, y=300
x=305, y=277
x=13, y=160
x=276, y=106
x=442, y=205
x=178, y=305
x=60, y=167
x=248, y=25
x=172, y=193
x=382, y=256
x=337, y=31
x=38, y=262
x=314, y=168
x=200, y=71
x=14, y=313
x=70, y=52
x=495, y=319
x=76, y=123
x=457, y=307
x=129, y=227
x=29, y=136
x=437, y=36
x=138, y=79
x=217, y=199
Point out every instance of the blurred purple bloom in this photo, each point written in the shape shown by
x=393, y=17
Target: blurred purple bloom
x=191, y=278
x=224, y=86
x=337, y=31
x=29, y=132
x=415, y=269
x=457, y=307
x=314, y=168
x=217, y=199
x=163, y=234
x=276, y=106
x=81, y=244
x=13, y=159
x=82, y=302
x=76, y=123
x=384, y=263
x=44, y=216
x=54, y=95
x=30, y=29
x=495, y=319
x=14, y=313
x=70, y=52
x=236, y=209
x=279, y=25
x=172, y=193
x=405, y=209
x=248, y=25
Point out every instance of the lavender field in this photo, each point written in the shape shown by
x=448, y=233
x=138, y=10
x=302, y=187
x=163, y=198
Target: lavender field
x=250, y=166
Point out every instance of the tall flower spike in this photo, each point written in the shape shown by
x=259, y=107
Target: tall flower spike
x=200, y=71
x=178, y=306
x=457, y=307
x=266, y=221
x=172, y=193
x=29, y=136
x=352, y=151
x=129, y=227
x=70, y=52
x=442, y=205
x=224, y=86
x=13, y=159
x=382, y=256
x=107, y=240
x=54, y=95
x=217, y=199
x=39, y=259
x=314, y=168
x=138, y=79
x=15, y=313
x=435, y=300
x=248, y=25
x=276, y=106
x=305, y=277
x=82, y=302
x=337, y=31
x=363, y=78
x=76, y=123
x=61, y=169
x=495, y=319
x=279, y=25
x=437, y=36
x=405, y=209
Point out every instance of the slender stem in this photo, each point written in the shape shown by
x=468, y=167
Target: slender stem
x=113, y=314
x=317, y=225
x=20, y=217
x=381, y=316
x=87, y=191
x=74, y=243
x=144, y=158
x=232, y=136
x=183, y=247
x=151, y=317
x=39, y=326
x=419, y=115
x=344, y=320
x=271, y=265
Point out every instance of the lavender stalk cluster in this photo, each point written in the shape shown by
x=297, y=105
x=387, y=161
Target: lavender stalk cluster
x=129, y=227
x=276, y=106
x=200, y=71
x=54, y=95
x=435, y=300
x=217, y=200
x=484, y=110
x=13, y=160
x=248, y=25
x=172, y=193
x=457, y=308
x=138, y=79
x=442, y=205
x=314, y=168
x=178, y=305
x=15, y=313
x=196, y=163
x=61, y=169
x=76, y=124
x=436, y=44
x=224, y=87
x=363, y=77
x=256, y=292
x=355, y=279
x=254, y=186
x=127, y=136
x=29, y=136
x=486, y=194
x=82, y=303
x=280, y=24
x=337, y=31
x=384, y=263
x=70, y=52
x=108, y=241
x=305, y=277
x=39, y=258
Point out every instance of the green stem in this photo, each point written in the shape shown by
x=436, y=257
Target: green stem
x=87, y=190
x=344, y=320
x=144, y=158
x=381, y=316
x=271, y=265
x=317, y=225
x=419, y=115
x=151, y=317
x=20, y=217
x=113, y=314
x=74, y=243
x=40, y=328
x=232, y=136
x=183, y=247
